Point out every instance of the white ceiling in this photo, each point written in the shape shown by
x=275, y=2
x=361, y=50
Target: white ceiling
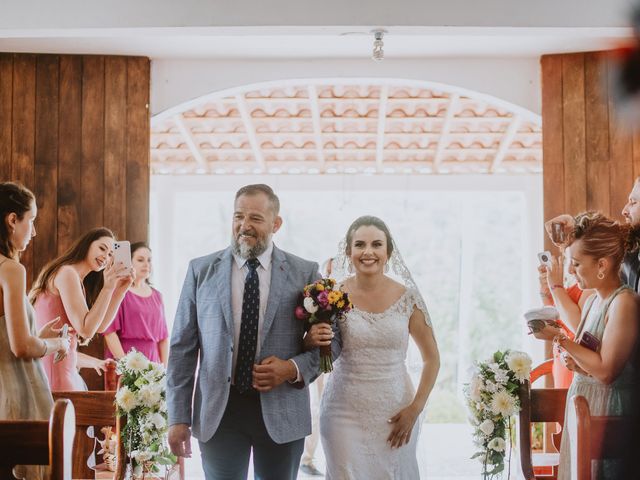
x=399, y=43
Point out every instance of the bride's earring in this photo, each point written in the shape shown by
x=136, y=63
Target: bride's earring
x=350, y=267
x=386, y=267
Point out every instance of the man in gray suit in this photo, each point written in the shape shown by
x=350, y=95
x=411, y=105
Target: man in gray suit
x=236, y=319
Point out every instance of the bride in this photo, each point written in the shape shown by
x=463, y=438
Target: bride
x=369, y=408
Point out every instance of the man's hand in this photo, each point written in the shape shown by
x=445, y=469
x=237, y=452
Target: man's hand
x=180, y=440
x=271, y=372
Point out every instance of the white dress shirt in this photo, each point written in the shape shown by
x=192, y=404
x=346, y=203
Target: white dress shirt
x=239, y=271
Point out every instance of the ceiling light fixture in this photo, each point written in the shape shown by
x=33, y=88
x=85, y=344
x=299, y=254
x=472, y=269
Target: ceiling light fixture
x=378, y=45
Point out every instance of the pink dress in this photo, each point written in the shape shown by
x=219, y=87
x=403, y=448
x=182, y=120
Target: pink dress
x=140, y=323
x=63, y=375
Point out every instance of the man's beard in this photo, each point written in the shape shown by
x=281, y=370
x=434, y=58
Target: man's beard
x=634, y=237
x=245, y=251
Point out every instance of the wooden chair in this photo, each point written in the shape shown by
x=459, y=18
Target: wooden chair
x=33, y=442
x=93, y=409
x=539, y=405
x=590, y=433
x=541, y=370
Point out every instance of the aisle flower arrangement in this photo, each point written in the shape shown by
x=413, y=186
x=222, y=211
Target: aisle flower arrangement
x=141, y=397
x=492, y=398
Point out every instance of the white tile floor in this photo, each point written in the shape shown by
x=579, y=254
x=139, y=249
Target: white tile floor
x=443, y=454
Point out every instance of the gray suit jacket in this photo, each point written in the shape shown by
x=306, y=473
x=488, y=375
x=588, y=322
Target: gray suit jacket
x=203, y=332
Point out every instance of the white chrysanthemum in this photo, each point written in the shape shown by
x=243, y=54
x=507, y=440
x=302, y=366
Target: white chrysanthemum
x=126, y=399
x=498, y=444
x=503, y=404
x=487, y=427
x=158, y=420
x=309, y=305
x=150, y=395
x=136, y=361
x=520, y=363
x=475, y=387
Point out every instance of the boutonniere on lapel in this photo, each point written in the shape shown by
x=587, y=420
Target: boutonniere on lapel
x=322, y=302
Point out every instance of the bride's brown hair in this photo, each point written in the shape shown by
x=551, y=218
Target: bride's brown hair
x=369, y=221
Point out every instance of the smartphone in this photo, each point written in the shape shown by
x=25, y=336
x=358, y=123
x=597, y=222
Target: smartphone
x=63, y=333
x=545, y=258
x=557, y=233
x=122, y=253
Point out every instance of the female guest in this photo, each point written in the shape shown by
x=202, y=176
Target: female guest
x=140, y=322
x=601, y=355
x=370, y=408
x=84, y=288
x=569, y=301
x=24, y=391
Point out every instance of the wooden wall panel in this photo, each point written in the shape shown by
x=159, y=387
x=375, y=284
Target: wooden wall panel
x=596, y=131
x=70, y=150
x=138, y=147
x=46, y=158
x=115, y=144
x=93, y=104
x=552, y=147
x=6, y=109
x=75, y=129
x=573, y=113
x=598, y=155
x=23, y=134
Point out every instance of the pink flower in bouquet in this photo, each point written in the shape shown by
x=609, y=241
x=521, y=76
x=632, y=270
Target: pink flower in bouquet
x=301, y=313
x=323, y=299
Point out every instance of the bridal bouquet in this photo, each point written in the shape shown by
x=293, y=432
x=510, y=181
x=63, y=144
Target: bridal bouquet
x=492, y=398
x=321, y=302
x=141, y=397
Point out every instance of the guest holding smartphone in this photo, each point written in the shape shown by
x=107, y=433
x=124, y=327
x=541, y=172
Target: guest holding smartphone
x=140, y=322
x=569, y=302
x=24, y=390
x=84, y=288
x=602, y=354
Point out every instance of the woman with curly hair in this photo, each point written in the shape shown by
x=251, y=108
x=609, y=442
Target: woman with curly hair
x=602, y=354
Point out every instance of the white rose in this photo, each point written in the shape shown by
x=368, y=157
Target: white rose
x=487, y=427
x=136, y=361
x=475, y=388
x=309, y=305
x=126, y=399
x=150, y=395
x=157, y=420
x=498, y=444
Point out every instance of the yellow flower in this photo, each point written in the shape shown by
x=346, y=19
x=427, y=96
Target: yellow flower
x=319, y=287
x=340, y=303
x=333, y=297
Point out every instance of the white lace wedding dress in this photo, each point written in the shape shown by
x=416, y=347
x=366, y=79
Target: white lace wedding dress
x=369, y=385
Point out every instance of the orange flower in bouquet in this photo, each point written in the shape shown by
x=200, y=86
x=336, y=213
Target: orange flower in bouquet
x=322, y=302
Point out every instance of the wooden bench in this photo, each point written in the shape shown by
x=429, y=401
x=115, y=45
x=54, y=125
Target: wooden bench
x=590, y=433
x=539, y=405
x=93, y=409
x=33, y=442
